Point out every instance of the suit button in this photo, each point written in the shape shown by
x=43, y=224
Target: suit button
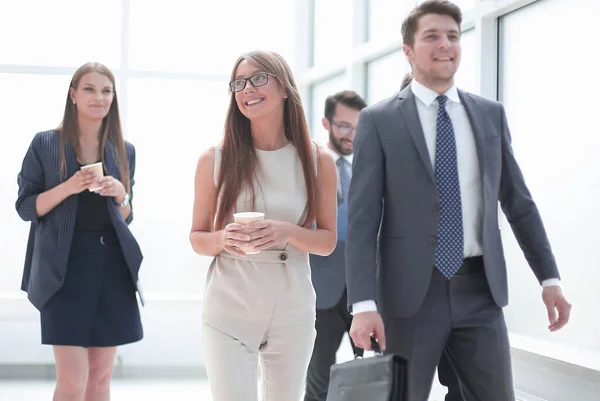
x=283, y=256
x=436, y=208
x=433, y=240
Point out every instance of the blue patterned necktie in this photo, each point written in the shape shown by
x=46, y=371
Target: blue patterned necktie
x=345, y=176
x=450, y=246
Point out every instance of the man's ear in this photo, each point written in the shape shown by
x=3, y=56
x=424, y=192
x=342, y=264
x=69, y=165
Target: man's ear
x=407, y=51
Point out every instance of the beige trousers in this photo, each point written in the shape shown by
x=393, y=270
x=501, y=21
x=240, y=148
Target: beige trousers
x=233, y=368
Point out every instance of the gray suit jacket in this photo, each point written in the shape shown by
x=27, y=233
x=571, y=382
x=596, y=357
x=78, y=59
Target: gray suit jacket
x=50, y=236
x=329, y=276
x=329, y=272
x=394, y=207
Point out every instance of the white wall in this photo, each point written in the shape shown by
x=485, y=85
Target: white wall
x=172, y=61
x=548, y=85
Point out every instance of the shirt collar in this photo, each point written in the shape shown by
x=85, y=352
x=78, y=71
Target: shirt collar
x=428, y=96
x=336, y=156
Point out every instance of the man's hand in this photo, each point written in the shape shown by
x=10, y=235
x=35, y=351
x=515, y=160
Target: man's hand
x=555, y=301
x=363, y=325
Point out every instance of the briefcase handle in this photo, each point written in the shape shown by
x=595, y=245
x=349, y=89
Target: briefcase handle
x=375, y=346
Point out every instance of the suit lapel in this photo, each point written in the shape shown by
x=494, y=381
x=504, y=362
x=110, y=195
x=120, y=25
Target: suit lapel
x=474, y=114
x=111, y=167
x=71, y=160
x=69, y=210
x=410, y=115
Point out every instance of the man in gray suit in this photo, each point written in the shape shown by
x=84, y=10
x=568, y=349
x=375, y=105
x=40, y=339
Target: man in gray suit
x=328, y=272
x=430, y=166
x=446, y=374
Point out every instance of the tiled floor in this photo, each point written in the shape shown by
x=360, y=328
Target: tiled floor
x=129, y=390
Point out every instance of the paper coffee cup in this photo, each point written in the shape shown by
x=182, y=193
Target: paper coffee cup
x=246, y=218
x=97, y=168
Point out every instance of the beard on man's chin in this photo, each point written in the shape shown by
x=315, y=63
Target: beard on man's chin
x=337, y=144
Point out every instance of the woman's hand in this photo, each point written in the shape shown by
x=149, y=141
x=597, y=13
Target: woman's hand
x=112, y=187
x=80, y=181
x=267, y=233
x=233, y=238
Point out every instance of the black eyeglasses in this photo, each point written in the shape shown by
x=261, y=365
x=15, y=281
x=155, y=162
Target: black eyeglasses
x=344, y=129
x=260, y=79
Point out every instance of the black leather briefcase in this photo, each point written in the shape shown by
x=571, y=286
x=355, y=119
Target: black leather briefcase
x=380, y=378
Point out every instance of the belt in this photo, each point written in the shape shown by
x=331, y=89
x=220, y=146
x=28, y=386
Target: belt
x=470, y=266
x=105, y=238
x=270, y=256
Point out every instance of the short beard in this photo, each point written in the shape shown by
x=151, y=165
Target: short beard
x=338, y=145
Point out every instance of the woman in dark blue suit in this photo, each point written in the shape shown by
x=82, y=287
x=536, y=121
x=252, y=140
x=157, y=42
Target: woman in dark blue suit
x=82, y=262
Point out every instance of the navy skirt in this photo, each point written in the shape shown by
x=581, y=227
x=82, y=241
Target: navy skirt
x=96, y=306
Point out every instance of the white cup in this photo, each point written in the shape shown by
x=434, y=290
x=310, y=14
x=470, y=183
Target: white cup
x=97, y=168
x=246, y=218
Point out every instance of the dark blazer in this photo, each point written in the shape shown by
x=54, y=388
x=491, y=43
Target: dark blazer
x=394, y=206
x=329, y=272
x=329, y=276
x=50, y=236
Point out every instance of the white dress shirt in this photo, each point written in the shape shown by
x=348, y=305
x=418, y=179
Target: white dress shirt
x=469, y=173
x=336, y=156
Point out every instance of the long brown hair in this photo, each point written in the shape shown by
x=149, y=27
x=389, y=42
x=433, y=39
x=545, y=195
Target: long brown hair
x=239, y=161
x=110, y=129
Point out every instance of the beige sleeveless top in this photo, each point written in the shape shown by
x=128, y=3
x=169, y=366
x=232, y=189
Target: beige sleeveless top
x=280, y=188
x=244, y=295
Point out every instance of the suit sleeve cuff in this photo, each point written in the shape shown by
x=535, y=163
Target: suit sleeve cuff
x=364, y=306
x=29, y=208
x=551, y=282
x=129, y=218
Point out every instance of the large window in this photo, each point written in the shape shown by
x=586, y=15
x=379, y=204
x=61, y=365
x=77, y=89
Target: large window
x=465, y=4
x=319, y=93
x=22, y=96
x=549, y=89
x=384, y=76
x=170, y=133
x=332, y=30
x=191, y=36
x=466, y=76
x=385, y=18
x=60, y=33
x=172, y=88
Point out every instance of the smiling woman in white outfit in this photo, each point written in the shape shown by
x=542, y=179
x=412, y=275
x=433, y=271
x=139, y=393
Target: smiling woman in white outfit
x=262, y=306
